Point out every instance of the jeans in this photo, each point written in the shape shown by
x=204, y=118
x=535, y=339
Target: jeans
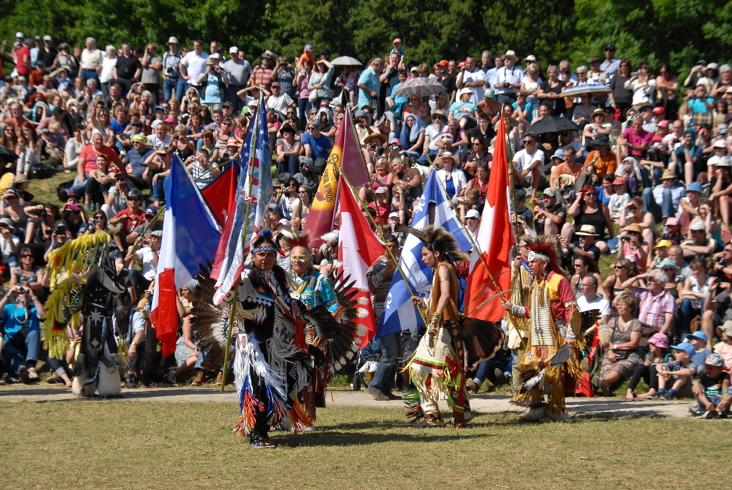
x=60, y=367
x=382, y=380
x=158, y=190
x=485, y=370
x=304, y=106
x=714, y=399
x=87, y=74
x=178, y=84
x=290, y=164
x=685, y=313
x=665, y=210
x=507, y=99
x=425, y=161
x=235, y=99
x=646, y=176
x=17, y=356
x=141, y=284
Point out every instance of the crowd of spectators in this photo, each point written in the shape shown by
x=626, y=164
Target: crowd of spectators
x=641, y=180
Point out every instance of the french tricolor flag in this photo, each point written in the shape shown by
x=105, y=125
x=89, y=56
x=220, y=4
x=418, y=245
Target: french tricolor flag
x=190, y=238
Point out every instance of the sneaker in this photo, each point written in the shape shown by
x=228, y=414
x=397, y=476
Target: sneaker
x=23, y=375
x=667, y=396
x=32, y=374
x=654, y=396
x=695, y=412
x=54, y=378
x=263, y=444
x=4, y=379
x=373, y=366
x=705, y=415
x=130, y=381
x=722, y=415
x=377, y=395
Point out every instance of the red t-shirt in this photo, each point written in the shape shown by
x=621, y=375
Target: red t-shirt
x=89, y=157
x=130, y=220
x=20, y=66
x=382, y=213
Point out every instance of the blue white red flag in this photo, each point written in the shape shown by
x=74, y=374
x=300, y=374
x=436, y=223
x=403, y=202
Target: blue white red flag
x=190, y=236
x=399, y=311
x=253, y=195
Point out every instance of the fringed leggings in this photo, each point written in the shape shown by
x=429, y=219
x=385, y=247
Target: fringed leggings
x=259, y=389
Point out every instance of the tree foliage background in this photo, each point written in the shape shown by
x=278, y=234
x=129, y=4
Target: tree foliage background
x=675, y=31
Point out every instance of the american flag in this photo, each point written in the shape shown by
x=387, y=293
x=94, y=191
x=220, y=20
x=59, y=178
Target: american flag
x=257, y=173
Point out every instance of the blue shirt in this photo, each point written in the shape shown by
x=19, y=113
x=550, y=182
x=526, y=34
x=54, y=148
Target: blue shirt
x=371, y=80
x=137, y=161
x=319, y=146
x=118, y=128
x=13, y=317
x=213, y=92
x=698, y=105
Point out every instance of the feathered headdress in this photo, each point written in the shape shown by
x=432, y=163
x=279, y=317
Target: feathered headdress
x=546, y=246
x=302, y=240
x=437, y=234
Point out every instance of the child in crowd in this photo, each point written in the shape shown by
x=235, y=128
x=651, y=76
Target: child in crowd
x=724, y=348
x=672, y=231
x=711, y=390
x=619, y=200
x=660, y=252
x=679, y=372
x=699, y=340
x=659, y=354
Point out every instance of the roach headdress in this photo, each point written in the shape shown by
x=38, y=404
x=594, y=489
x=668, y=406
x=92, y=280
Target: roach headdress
x=442, y=241
x=545, y=248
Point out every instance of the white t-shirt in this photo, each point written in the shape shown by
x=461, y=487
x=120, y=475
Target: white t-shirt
x=432, y=133
x=149, y=270
x=523, y=160
x=599, y=303
x=195, y=65
x=107, y=69
x=279, y=104
x=475, y=76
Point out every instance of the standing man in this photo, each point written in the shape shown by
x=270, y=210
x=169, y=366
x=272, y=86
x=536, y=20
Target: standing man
x=262, y=74
x=379, y=277
x=508, y=79
x=286, y=76
x=47, y=53
x=369, y=84
x=91, y=61
x=485, y=61
x=23, y=63
x=473, y=77
x=192, y=65
x=151, y=66
x=611, y=63
x=491, y=76
x=238, y=70
x=128, y=68
x=172, y=80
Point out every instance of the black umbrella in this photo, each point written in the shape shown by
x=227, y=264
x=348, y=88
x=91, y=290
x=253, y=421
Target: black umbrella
x=7, y=156
x=552, y=124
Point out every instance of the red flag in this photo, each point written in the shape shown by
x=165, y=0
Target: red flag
x=347, y=154
x=220, y=193
x=358, y=248
x=494, y=240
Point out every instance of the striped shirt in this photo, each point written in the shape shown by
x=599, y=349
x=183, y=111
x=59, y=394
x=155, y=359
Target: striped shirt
x=653, y=308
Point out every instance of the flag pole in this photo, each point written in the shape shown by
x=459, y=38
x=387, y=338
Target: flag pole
x=232, y=310
x=144, y=230
x=512, y=184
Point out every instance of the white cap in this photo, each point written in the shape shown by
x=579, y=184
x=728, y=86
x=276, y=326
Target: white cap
x=380, y=190
x=720, y=144
x=473, y=213
x=47, y=38
x=698, y=226
x=172, y=40
x=233, y=50
x=530, y=57
x=394, y=214
x=19, y=34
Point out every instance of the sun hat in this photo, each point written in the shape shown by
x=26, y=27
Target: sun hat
x=669, y=263
x=659, y=340
x=668, y=174
x=634, y=227
x=140, y=138
x=172, y=40
x=694, y=187
x=725, y=329
x=587, y=230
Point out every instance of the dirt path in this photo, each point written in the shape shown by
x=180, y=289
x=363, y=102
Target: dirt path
x=608, y=407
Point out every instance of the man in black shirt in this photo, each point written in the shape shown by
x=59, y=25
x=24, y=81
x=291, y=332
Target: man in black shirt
x=446, y=78
x=47, y=53
x=549, y=217
x=128, y=68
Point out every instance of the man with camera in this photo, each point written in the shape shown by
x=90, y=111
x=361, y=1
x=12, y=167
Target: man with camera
x=508, y=79
x=238, y=70
x=151, y=66
x=21, y=334
x=213, y=83
x=128, y=68
x=172, y=80
x=147, y=256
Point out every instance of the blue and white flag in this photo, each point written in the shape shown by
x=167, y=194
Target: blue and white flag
x=399, y=311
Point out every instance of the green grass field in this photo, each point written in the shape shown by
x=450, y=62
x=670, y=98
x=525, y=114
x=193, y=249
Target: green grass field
x=122, y=444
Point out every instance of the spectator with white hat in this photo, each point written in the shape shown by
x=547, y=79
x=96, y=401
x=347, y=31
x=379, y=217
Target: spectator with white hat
x=508, y=79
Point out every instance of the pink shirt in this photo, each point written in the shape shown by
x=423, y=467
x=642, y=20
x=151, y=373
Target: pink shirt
x=725, y=350
x=637, y=139
x=654, y=308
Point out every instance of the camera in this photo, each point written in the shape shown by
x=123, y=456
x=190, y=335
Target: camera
x=61, y=230
x=21, y=290
x=506, y=85
x=625, y=238
x=635, y=74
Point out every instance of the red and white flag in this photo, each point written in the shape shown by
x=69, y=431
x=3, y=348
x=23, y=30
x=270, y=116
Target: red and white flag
x=358, y=248
x=495, y=238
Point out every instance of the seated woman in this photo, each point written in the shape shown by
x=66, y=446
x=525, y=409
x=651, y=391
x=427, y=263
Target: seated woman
x=585, y=266
x=631, y=246
x=100, y=180
x=159, y=163
x=623, y=357
x=186, y=351
x=633, y=213
x=381, y=177
x=412, y=137
x=27, y=274
x=588, y=210
x=463, y=110
x=693, y=294
x=624, y=270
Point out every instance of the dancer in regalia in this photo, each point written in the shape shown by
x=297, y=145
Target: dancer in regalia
x=551, y=320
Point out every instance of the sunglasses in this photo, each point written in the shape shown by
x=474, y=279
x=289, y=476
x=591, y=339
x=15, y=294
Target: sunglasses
x=528, y=142
x=665, y=269
x=579, y=265
x=134, y=199
x=471, y=218
x=226, y=124
x=25, y=256
x=594, y=194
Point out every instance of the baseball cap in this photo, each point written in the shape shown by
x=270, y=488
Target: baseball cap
x=715, y=360
x=659, y=110
x=394, y=214
x=461, y=64
x=724, y=162
x=669, y=263
x=19, y=34
x=686, y=347
x=151, y=211
x=72, y=193
x=664, y=243
x=602, y=140
x=159, y=108
x=712, y=66
x=233, y=50
x=308, y=47
x=489, y=94
x=619, y=181
x=380, y=190
x=698, y=226
x=473, y=213
x=530, y=57
x=662, y=124
x=720, y=144
x=396, y=40
x=659, y=340
x=609, y=47
x=549, y=192
x=172, y=40
x=134, y=194
x=697, y=335
x=443, y=63
x=694, y=187
x=47, y=38
x=672, y=222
